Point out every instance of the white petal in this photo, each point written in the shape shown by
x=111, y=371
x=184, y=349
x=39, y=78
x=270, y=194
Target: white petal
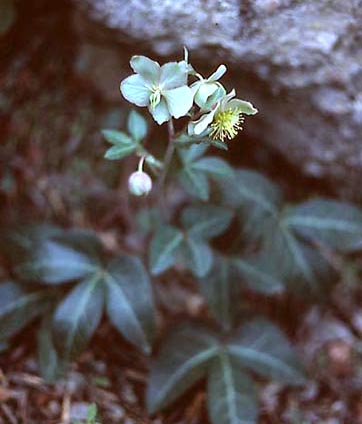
x=204, y=122
x=205, y=90
x=179, y=100
x=244, y=107
x=135, y=91
x=147, y=68
x=173, y=75
x=227, y=98
x=220, y=71
x=160, y=113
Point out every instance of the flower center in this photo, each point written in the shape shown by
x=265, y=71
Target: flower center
x=226, y=124
x=155, y=97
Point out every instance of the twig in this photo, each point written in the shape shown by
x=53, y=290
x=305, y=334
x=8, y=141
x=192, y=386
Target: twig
x=8, y=414
x=65, y=418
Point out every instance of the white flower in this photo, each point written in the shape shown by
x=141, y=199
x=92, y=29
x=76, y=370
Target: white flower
x=224, y=120
x=208, y=91
x=163, y=89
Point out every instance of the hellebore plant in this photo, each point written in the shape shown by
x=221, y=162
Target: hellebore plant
x=211, y=117
x=69, y=279
x=164, y=90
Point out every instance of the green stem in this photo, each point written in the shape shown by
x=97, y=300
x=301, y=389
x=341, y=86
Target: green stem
x=166, y=165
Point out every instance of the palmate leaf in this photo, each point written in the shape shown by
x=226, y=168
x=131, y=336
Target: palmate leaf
x=19, y=243
x=194, y=152
x=84, y=241
x=257, y=200
x=192, y=352
x=123, y=145
x=163, y=248
x=259, y=273
x=50, y=364
x=262, y=347
x=78, y=315
x=206, y=221
x=182, y=361
x=231, y=393
x=18, y=307
x=251, y=188
x=337, y=225
x=190, y=244
x=124, y=288
x=149, y=220
x=184, y=141
x=62, y=256
x=213, y=166
x=198, y=255
x=196, y=170
x=302, y=267
x=195, y=182
x=58, y=260
x=129, y=300
x=137, y=126
x=221, y=287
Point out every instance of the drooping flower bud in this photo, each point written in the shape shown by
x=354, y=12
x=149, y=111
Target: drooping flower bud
x=139, y=183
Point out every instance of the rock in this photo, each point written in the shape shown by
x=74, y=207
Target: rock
x=300, y=62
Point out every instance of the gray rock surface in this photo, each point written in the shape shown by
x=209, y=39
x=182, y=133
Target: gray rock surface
x=299, y=61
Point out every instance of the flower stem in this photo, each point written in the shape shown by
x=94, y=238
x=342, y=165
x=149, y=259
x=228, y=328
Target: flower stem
x=166, y=165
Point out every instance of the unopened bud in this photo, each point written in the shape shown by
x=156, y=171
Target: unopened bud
x=139, y=183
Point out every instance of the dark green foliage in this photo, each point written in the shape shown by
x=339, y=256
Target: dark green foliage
x=268, y=248
x=258, y=273
x=50, y=364
x=125, y=144
x=226, y=280
x=67, y=279
x=184, y=141
x=19, y=306
x=55, y=261
x=283, y=249
x=337, y=225
x=232, y=395
x=191, y=242
x=302, y=267
x=77, y=316
x=288, y=248
x=182, y=361
x=261, y=347
x=191, y=353
x=256, y=200
x=163, y=248
x=129, y=300
x=220, y=287
x=196, y=170
x=119, y=286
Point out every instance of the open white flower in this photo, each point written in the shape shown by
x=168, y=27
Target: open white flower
x=224, y=120
x=163, y=89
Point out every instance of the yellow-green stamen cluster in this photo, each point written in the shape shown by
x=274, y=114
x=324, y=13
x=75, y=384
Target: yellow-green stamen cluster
x=155, y=97
x=226, y=124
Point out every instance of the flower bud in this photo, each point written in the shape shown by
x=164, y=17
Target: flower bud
x=139, y=183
